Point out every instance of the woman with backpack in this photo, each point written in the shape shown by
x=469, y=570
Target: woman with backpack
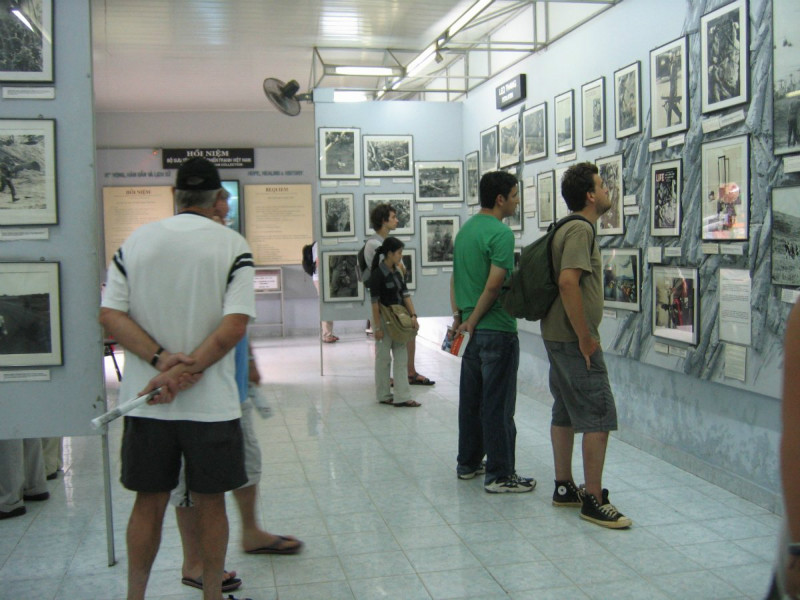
x=394, y=322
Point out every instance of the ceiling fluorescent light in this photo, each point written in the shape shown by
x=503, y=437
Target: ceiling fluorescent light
x=367, y=71
x=464, y=19
x=416, y=65
x=349, y=96
x=18, y=13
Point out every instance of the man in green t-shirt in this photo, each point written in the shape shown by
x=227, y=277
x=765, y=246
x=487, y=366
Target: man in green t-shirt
x=582, y=398
x=483, y=256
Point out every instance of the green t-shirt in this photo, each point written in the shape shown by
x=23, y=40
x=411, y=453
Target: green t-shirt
x=483, y=241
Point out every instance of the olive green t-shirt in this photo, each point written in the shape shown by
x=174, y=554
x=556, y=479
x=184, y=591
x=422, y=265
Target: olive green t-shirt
x=573, y=248
x=483, y=241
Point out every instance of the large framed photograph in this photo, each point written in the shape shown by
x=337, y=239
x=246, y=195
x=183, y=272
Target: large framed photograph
x=509, y=141
x=26, y=54
x=622, y=278
x=564, y=122
x=388, y=156
x=30, y=314
x=534, y=132
x=666, y=189
x=785, y=77
x=28, y=169
x=723, y=56
x=439, y=181
x=473, y=178
x=593, y=103
x=612, y=221
x=403, y=205
x=489, y=149
x=675, y=314
x=340, y=282
x=410, y=267
x=438, y=235
x=545, y=198
x=339, y=153
x=234, y=218
x=786, y=236
x=628, y=100
x=669, y=90
x=725, y=191
x=561, y=208
x=337, y=215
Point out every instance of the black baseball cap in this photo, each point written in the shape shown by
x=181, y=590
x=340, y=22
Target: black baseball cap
x=197, y=174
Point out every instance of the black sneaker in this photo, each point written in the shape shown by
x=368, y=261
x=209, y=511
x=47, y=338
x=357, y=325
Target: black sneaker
x=513, y=484
x=480, y=470
x=566, y=494
x=524, y=480
x=605, y=515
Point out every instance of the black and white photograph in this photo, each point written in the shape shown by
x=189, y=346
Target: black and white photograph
x=30, y=314
x=534, y=132
x=439, y=181
x=509, y=141
x=564, y=122
x=612, y=221
x=337, y=215
x=723, y=56
x=628, y=100
x=561, y=208
x=28, y=172
x=515, y=221
x=438, y=235
x=669, y=91
x=410, y=267
x=785, y=76
x=545, y=195
x=26, y=41
x=403, y=205
x=388, y=156
x=725, y=190
x=666, y=186
x=473, y=177
x=340, y=277
x=489, y=149
x=622, y=278
x=675, y=303
x=786, y=236
x=339, y=153
x=234, y=218
x=593, y=103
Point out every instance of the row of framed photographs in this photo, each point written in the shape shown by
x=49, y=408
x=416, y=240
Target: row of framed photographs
x=340, y=151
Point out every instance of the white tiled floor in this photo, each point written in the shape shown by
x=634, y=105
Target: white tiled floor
x=372, y=491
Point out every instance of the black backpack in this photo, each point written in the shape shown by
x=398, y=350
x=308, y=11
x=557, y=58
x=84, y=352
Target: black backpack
x=363, y=272
x=309, y=266
x=533, y=286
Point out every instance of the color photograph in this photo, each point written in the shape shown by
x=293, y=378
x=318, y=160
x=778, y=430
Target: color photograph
x=666, y=185
x=675, y=303
x=725, y=189
x=622, y=276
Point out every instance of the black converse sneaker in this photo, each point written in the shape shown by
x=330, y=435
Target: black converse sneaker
x=566, y=494
x=605, y=515
x=512, y=484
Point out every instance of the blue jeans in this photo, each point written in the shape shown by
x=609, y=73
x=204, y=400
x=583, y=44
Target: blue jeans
x=487, y=398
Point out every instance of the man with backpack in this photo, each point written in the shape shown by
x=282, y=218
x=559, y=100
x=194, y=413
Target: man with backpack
x=583, y=401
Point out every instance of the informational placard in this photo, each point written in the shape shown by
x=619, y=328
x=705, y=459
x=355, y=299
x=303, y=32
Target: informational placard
x=125, y=209
x=267, y=280
x=735, y=362
x=734, y=306
x=278, y=222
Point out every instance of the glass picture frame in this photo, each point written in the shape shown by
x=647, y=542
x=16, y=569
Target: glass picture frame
x=675, y=311
x=785, y=244
x=666, y=192
x=409, y=259
x=437, y=237
x=439, y=181
x=669, y=89
x=337, y=215
x=534, y=132
x=785, y=77
x=30, y=58
x=723, y=56
x=235, y=216
x=545, y=198
x=508, y=132
x=339, y=153
x=472, y=174
x=388, y=155
x=564, y=121
x=340, y=280
x=403, y=205
x=488, y=149
x=622, y=278
x=628, y=100
x=725, y=189
x=612, y=222
x=593, y=111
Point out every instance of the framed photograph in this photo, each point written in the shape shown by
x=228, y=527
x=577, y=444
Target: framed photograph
x=28, y=54
x=388, y=156
x=30, y=314
x=666, y=190
x=563, y=117
x=509, y=141
x=403, y=204
x=439, y=181
x=410, y=267
x=438, y=235
x=628, y=100
x=669, y=90
x=725, y=191
x=723, y=56
x=337, y=215
x=489, y=149
x=675, y=304
x=339, y=277
x=622, y=278
x=593, y=103
x=534, y=132
x=785, y=77
x=561, y=208
x=28, y=170
x=515, y=221
x=473, y=178
x=339, y=153
x=612, y=221
x=545, y=197
x=786, y=236
x=233, y=219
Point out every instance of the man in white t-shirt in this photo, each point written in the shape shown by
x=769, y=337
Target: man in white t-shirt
x=179, y=295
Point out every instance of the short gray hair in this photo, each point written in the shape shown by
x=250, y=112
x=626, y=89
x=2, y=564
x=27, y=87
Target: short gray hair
x=196, y=198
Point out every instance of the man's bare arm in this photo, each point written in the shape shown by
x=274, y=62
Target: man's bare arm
x=494, y=284
x=569, y=288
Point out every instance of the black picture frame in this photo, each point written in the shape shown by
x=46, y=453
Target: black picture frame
x=785, y=227
x=438, y=235
x=564, y=122
x=508, y=134
x=473, y=177
x=785, y=78
x=628, y=100
x=666, y=195
x=593, y=112
x=488, y=145
x=337, y=215
x=669, y=88
x=545, y=198
x=534, y=132
x=724, y=56
x=340, y=281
